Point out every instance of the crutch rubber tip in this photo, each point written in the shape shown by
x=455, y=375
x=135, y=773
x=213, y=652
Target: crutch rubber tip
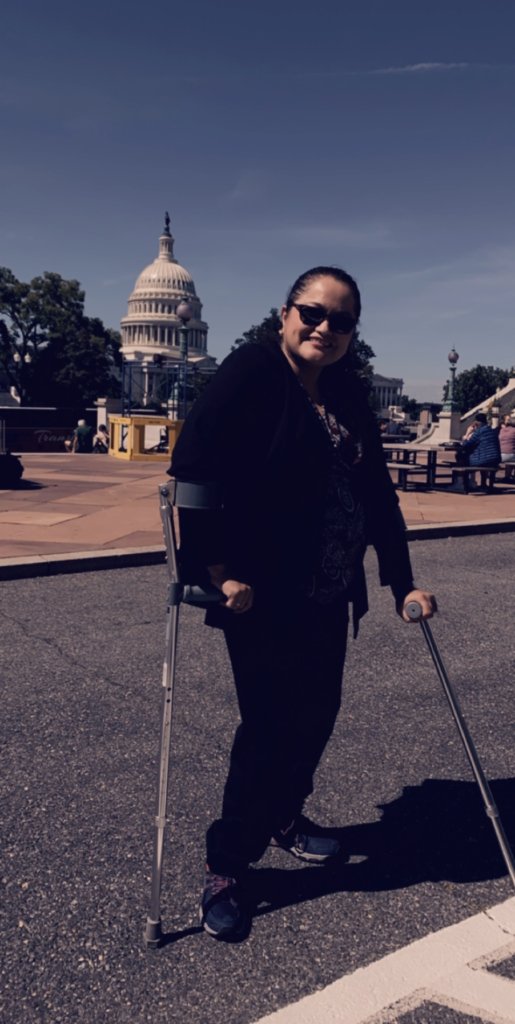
x=413, y=610
x=153, y=934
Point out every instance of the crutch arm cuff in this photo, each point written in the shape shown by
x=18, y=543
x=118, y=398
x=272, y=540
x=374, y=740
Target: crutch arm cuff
x=198, y=494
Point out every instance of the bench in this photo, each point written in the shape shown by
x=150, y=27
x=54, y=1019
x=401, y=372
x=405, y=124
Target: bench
x=461, y=477
x=406, y=470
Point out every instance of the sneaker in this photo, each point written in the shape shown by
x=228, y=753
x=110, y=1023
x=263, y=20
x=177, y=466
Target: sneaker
x=221, y=912
x=314, y=849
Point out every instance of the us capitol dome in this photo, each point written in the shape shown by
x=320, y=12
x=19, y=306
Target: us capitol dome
x=150, y=331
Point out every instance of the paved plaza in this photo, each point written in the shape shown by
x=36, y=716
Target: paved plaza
x=95, y=503
x=417, y=927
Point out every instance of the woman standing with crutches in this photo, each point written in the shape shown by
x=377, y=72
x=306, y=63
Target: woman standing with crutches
x=285, y=429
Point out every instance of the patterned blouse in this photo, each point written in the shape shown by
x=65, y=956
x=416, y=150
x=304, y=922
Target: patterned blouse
x=342, y=542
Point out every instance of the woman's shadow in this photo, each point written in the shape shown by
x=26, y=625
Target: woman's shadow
x=437, y=831
x=433, y=832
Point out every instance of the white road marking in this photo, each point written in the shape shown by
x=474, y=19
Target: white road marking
x=442, y=963
x=487, y=993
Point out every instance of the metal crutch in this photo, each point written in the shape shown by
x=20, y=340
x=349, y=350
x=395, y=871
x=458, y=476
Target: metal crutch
x=414, y=611
x=174, y=495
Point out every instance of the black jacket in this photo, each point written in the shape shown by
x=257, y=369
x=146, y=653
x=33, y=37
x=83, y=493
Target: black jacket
x=255, y=433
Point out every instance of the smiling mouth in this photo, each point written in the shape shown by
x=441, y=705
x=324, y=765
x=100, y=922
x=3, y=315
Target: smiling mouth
x=321, y=344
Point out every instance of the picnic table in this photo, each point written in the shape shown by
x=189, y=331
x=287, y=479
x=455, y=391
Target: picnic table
x=408, y=462
x=412, y=461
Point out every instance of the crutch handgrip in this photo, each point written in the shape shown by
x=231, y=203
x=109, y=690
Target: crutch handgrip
x=413, y=610
x=193, y=594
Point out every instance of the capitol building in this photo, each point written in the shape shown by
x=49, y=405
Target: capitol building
x=150, y=330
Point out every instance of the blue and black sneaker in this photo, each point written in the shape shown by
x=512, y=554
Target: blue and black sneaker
x=222, y=912
x=306, y=846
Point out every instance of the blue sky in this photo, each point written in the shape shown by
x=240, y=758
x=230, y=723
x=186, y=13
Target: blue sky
x=378, y=135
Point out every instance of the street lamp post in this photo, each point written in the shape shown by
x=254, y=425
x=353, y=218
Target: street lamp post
x=185, y=314
x=127, y=369
x=450, y=404
x=18, y=359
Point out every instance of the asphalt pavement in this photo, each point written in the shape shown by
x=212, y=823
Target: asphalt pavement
x=81, y=687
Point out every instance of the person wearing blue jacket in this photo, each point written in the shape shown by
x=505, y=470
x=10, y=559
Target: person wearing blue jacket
x=482, y=447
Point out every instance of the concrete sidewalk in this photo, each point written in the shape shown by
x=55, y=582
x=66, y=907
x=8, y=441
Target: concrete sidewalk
x=71, y=507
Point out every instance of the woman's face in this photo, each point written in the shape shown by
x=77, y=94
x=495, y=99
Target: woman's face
x=307, y=346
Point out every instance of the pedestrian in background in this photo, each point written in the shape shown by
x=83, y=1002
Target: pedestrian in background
x=286, y=430
x=101, y=439
x=82, y=437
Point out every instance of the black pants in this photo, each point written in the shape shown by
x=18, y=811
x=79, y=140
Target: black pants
x=288, y=672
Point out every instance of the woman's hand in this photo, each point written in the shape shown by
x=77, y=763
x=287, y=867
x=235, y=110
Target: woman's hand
x=426, y=601
x=240, y=596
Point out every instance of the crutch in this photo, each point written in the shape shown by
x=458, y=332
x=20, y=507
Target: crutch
x=414, y=611
x=173, y=496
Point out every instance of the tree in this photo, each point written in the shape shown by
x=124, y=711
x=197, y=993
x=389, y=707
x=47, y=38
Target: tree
x=80, y=364
x=358, y=358
x=474, y=386
x=267, y=330
x=410, y=406
x=49, y=350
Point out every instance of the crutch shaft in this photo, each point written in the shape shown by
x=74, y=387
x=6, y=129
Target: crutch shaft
x=172, y=496
x=415, y=612
x=153, y=928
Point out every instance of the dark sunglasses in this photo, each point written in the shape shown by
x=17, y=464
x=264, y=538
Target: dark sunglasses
x=313, y=316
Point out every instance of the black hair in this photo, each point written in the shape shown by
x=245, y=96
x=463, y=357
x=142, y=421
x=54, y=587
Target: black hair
x=311, y=275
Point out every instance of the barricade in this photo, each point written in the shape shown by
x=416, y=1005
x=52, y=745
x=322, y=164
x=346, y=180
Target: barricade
x=129, y=439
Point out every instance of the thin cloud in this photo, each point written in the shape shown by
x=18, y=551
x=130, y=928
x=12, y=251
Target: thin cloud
x=367, y=236
x=374, y=236
x=416, y=69
x=486, y=268
x=422, y=68
x=250, y=186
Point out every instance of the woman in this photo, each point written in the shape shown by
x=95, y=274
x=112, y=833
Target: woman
x=285, y=428
x=507, y=444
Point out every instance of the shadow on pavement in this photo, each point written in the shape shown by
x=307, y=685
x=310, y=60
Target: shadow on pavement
x=437, y=831
x=25, y=485
x=170, y=937
x=434, y=832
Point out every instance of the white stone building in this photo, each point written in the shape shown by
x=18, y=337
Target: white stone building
x=150, y=331
x=388, y=391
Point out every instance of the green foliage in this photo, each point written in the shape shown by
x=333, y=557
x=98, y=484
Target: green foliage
x=267, y=330
x=49, y=350
x=473, y=386
x=359, y=359
x=410, y=406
